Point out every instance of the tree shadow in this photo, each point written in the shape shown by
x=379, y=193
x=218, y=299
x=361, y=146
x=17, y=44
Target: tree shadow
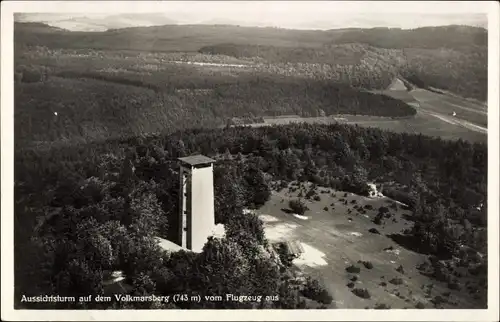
x=408, y=217
x=409, y=242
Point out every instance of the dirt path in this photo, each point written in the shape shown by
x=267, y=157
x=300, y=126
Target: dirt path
x=458, y=122
x=444, y=107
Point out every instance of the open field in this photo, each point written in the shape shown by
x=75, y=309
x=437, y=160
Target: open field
x=446, y=105
x=334, y=239
x=434, y=117
x=423, y=122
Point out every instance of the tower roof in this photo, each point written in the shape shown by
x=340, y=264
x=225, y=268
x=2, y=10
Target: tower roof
x=196, y=160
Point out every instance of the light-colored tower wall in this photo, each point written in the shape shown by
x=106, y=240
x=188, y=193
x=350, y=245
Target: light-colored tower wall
x=202, y=206
x=183, y=203
x=196, y=213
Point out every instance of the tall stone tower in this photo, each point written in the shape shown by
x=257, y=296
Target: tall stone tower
x=197, y=218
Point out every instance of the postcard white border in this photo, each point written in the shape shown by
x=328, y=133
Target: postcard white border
x=491, y=8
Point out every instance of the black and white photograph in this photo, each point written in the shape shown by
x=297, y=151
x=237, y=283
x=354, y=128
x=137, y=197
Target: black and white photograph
x=289, y=157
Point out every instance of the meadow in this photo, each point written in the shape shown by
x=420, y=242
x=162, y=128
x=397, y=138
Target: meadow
x=335, y=234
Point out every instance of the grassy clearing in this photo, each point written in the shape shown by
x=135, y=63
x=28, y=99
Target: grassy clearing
x=423, y=123
x=354, y=259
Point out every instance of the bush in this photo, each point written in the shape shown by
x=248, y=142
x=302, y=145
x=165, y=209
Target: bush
x=437, y=300
x=350, y=285
x=383, y=210
x=298, y=206
x=378, y=219
x=367, y=264
x=400, y=269
x=315, y=291
x=32, y=75
x=454, y=286
x=420, y=305
x=317, y=198
x=353, y=269
x=396, y=281
x=284, y=253
x=325, y=209
x=374, y=231
x=310, y=194
x=361, y=292
x=382, y=306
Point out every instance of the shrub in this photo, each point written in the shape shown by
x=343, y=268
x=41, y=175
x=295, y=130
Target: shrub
x=350, y=285
x=298, y=206
x=396, y=281
x=361, y=292
x=353, y=269
x=374, y=231
x=383, y=210
x=454, y=286
x=31, y=75
x=325, y=209
x=284, y=253
x=400, y=269
x=437, y=300
x=310, y=194
x=367, y=264
x=317, y=198
x=382, y=306
x=315, y=291
x=420, y=305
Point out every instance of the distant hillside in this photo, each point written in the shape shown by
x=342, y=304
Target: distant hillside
x=95, y=23
x=94, y=107
x=173, y=37
x=136, y=80
x=167, y=38
x=453, y=37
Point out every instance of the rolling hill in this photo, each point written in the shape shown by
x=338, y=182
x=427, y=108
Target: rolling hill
x=244, y=72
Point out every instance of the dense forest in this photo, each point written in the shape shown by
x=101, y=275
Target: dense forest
x=96, y=105
x=109, y=199
x=462, y=71
x=110, y=84
x=453, y=58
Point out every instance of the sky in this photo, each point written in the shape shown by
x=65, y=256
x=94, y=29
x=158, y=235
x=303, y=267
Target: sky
x=284, y=14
